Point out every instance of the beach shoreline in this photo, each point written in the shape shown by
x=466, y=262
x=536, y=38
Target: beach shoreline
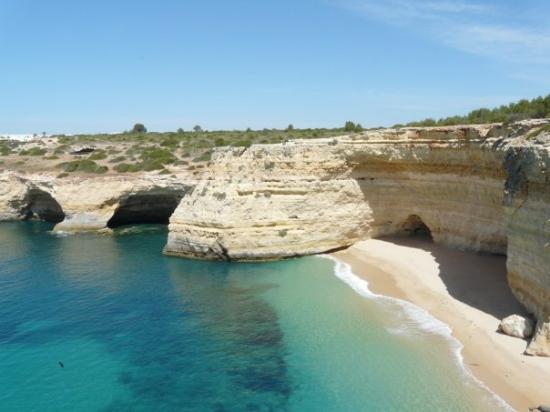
x=466, y=291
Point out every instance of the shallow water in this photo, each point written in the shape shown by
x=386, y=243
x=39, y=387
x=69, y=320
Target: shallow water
x=139, y=331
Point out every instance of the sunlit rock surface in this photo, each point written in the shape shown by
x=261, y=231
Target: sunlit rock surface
x=481, y=188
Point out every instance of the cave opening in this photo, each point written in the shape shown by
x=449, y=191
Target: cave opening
x=414, y=226
x=145, y=208
x=41, y=205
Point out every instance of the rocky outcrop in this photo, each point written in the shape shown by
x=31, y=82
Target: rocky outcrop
x=481, y=188
x=12, y=196
x=24, y=199
x=517, y=326
x=527, y=204
x=91, y=203
x=312, y=196
x=269, y=202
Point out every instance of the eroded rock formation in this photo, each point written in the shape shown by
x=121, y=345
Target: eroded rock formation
x=90, y=203
x=481, y=188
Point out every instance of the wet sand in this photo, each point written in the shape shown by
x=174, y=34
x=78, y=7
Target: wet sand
x=467, y=291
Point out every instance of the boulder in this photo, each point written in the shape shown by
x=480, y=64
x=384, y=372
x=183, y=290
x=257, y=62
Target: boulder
x=517, y=326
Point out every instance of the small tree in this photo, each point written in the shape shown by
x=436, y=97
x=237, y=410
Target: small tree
x=180, y=130
x=290, y=128
x=197, y=128
x=139, y=128
x=358, y=128
x=349, y=126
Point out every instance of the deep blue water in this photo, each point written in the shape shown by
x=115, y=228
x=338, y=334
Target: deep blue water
x=138, y=331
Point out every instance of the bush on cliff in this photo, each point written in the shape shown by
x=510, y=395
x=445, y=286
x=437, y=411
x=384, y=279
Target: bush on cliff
x=127, y=168
x=83, y=166
x=153, y=158
x=34, y=151
x=4, y=149
x=537, y=108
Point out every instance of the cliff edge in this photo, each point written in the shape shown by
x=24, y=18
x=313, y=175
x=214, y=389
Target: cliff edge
x=482, y=188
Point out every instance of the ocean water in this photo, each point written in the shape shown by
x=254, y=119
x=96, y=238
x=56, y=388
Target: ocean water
x=106, y=323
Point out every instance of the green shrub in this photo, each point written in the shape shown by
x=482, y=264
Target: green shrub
x=35, y=151
x=118, y=159
x=98, y=155
x=171, y=141
x=243, y=143
x=204, y=157
x=60, y=149
x=349, y=126
x=154, y=154
x=127, y=168
x=537, y=108
x=83, y=166
x=139, y=128
x=4, y=149
x=283, y=232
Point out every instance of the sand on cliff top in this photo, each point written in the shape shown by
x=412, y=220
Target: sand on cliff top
x=468, y=292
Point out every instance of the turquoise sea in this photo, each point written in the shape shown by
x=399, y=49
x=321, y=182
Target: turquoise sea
x=106, y=323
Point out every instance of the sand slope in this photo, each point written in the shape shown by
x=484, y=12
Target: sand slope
x=467, y=291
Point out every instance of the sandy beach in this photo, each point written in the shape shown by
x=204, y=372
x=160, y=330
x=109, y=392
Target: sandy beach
x=468, y=292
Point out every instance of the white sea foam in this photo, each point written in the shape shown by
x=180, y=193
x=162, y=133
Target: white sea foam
x=421, y=319
x=60, y=233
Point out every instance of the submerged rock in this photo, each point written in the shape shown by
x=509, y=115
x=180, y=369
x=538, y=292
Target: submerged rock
x=517, y=326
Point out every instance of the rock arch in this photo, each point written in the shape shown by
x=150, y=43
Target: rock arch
x=152, y=206
x=40, y=204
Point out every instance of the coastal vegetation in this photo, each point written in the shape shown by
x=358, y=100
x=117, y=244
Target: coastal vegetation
x=538, y=108
x=138, y=149
x=84, y=166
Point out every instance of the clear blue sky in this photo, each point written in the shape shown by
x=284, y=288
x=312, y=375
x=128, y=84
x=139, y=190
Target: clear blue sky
x=89, y=66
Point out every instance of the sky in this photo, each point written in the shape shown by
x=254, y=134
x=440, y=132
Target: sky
x=100, y=66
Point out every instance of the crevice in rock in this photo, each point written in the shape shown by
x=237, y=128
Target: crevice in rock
x=146, y=207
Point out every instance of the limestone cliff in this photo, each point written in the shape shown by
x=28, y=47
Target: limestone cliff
x=482, y=188
x=312, y=196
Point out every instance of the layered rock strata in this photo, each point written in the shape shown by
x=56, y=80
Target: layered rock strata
x=480, y=188
x=90, y=203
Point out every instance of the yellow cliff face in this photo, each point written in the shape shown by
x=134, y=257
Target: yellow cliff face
x=480, y=188
x=459, y=183
x=312, y=196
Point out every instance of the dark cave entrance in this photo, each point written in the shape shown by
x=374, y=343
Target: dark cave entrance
x=145, y=208
x=41, y=205
x=414, y=226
